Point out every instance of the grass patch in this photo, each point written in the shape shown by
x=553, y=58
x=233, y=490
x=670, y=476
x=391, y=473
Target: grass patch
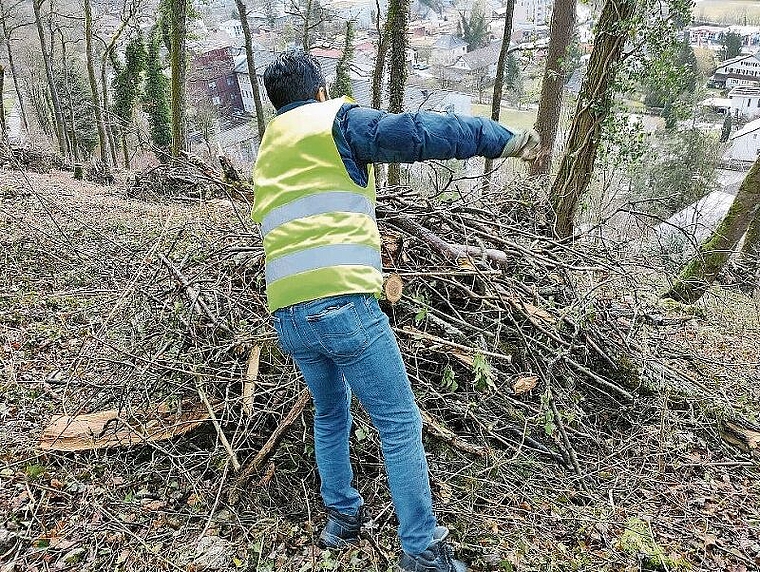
x=510, y=117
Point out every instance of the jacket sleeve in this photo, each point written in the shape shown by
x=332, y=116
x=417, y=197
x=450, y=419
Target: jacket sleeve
x=379, y=137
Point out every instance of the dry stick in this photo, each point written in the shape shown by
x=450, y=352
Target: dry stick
x=419, y=334
x=271, y=445
x=193, y=294
x=448, y=436
x=249, y=383
x=233, y=457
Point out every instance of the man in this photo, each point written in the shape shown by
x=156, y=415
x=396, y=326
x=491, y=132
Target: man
x=315, y=201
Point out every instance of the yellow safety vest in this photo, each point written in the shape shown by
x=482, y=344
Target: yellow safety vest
x=319, y=229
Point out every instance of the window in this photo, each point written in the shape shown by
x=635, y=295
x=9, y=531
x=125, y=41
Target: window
x=212, y=84
x=216, y=100
x=230, y=81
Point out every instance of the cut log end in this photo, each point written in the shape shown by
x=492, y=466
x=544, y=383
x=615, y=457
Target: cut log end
x=393, y=288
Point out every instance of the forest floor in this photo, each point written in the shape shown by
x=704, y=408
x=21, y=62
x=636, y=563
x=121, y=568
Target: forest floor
x=669, y=495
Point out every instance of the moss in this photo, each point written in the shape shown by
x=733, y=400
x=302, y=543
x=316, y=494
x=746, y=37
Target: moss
x=637, y=540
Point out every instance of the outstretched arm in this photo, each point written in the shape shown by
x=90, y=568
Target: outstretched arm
x=379, y=137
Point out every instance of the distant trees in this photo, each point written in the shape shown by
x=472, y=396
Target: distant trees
x=560, y=36
x=342, y=85
x=474, y=28
x=732, y=46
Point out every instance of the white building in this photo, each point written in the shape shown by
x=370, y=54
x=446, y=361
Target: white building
x=741, y=70
x=745, y=101
x=447, y=49
x=745, y=143
x=538, y=12
x=233, y=27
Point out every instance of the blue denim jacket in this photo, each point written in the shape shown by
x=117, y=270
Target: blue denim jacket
x=364, y=135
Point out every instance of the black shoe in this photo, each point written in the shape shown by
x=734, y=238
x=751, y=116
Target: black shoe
x=438, y=557
x=342, y=529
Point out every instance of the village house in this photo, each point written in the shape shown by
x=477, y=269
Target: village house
x=447, y=49
x=213, y=73
x=741, y=70
x=536, y=12
x=745, y=102
x=481, y=62
x=745, y=143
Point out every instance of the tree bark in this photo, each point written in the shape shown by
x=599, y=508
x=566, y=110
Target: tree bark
x=102, y=138
x=3, y=126
x=594, y=102
x=750, y=255
x=398, y=21
x=306, y=40
x=60, y=124
x=550, y=105
x=242, y=10
x=697, y=276
x=179, y=73
x=498, y=85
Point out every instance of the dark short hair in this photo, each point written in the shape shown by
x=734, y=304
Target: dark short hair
x=293, y=76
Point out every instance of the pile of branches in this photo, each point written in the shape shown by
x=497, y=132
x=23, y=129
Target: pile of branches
x=29, y=159
x=507, y=348
x=183, y=178
x=99, y=172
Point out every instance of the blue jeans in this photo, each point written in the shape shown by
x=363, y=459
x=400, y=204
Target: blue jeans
x=343, y=344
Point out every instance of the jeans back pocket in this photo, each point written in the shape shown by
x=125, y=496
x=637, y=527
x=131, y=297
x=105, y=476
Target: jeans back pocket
x=339, y=330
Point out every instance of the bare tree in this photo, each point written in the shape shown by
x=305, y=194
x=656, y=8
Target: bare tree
x=382, y=50
x=243, y=11
x=102, y=138
x=550, y=105
x=60, y=126
x=6, y=12
x=574, y=175
x=498, y=85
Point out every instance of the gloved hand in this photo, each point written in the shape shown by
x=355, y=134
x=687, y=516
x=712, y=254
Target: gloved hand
x=523, y=144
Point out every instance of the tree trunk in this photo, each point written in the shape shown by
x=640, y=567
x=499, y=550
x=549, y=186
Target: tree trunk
x=306, y=40
x=179, y=72
x=72, y=137
x=550, y=105
x=398, y=18
x=107, y=52
x=60, y=124
x=498, y=85
x=242, y=10
x=125, y=149
x=700, y=273
x=3, y=126
x=102, y=139
x=594, y=102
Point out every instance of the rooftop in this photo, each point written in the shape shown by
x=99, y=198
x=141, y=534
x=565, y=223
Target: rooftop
x=747, y=129
x=449, y=42
x=744, y=91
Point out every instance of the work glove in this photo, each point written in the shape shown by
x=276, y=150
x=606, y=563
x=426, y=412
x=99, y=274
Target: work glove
x=523, y=144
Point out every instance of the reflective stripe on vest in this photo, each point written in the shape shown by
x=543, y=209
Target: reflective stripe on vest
x=321, y=203
x=322, y=257
x=320, y=234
